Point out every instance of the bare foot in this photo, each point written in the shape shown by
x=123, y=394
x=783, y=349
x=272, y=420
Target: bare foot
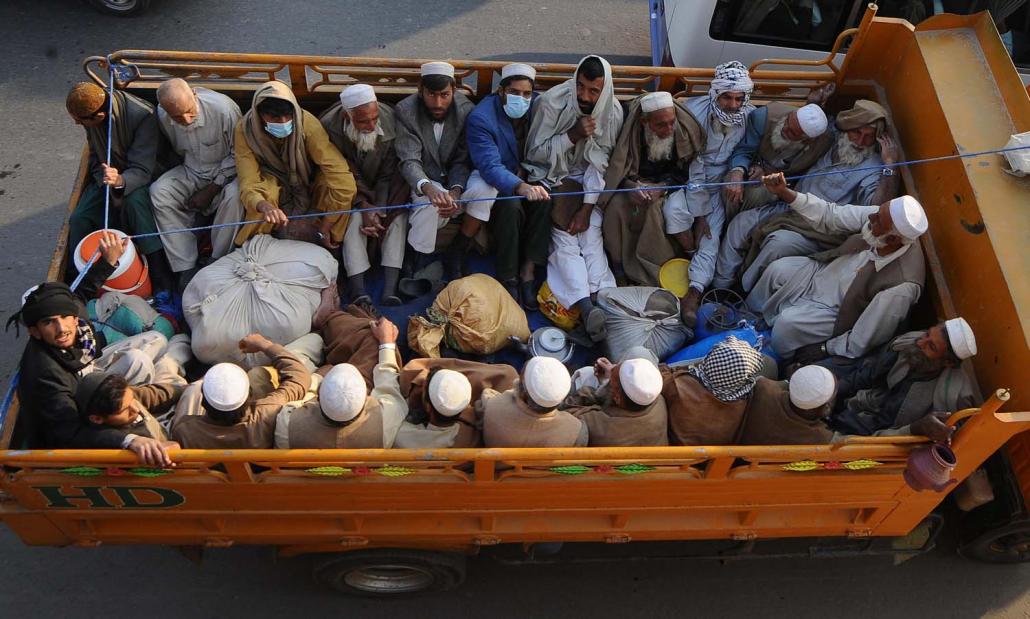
x=329, y=304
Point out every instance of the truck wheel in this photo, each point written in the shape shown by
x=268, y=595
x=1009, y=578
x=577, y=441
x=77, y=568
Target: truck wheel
x=391, y=572
x=1007, y=544
x=121, y=8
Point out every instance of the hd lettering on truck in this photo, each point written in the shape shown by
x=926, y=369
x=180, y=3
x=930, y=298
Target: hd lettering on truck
x=110, y=497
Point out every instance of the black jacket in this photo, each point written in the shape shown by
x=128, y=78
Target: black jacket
x=48, y=417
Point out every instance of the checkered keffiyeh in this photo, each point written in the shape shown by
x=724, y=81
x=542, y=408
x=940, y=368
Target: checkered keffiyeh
x=729, y=370
x=731, y=77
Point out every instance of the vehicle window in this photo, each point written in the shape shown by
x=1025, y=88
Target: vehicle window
x=803, y=24
x=1012, y=17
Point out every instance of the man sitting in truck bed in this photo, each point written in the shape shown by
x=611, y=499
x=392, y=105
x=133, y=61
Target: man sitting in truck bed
x=916, y=373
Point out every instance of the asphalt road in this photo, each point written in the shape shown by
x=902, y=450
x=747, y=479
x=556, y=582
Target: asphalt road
x=43, y=42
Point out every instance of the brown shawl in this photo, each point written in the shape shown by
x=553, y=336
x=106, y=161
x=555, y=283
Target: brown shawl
x=696, y=417
x=285, y=159
x=625, y=158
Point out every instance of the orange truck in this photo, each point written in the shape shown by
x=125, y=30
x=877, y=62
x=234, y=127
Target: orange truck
x=387, y=522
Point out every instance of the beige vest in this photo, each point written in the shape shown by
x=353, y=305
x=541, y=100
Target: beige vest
x=909, y=267
x=508, y=422
x=814, y=148
x=309, y=429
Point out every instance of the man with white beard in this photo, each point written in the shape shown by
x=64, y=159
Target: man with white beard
x=861, y=148
x=657, y=147
x=846, y=301
x=363, y=130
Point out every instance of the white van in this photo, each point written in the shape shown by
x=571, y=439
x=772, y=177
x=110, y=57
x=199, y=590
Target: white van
x=704, y=33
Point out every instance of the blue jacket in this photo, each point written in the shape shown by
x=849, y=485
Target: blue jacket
x=492, y=145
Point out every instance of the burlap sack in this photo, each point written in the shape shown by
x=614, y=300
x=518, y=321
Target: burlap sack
x=472, y=315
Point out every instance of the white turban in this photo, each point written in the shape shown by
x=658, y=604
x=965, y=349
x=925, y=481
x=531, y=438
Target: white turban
x=812, y=119
x=450, y=392
x=225, y=386
x=641, y=381
x=342, y=393
x=547, y=381
x=811, y=387
x=654, y=101
x=438, y=68
x=518, y=69
x=357, y=95
x=961, y=337
x=908, y=216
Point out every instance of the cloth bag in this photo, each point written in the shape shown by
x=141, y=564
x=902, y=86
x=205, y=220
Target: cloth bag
x=268, y=286
x=473, y=314
x=119, y=316
x=1018, y=160
x=642, y=316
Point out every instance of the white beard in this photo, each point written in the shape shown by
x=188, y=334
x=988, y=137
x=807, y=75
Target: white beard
x=871, y=239
x=364, y=141
x=847, y=154
x=658, y=149
x=784, y=148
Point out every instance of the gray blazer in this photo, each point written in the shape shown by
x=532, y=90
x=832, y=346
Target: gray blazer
x=417, y=151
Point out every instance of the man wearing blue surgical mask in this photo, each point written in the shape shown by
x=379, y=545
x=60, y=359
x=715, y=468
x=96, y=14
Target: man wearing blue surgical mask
x=287, y=166
x=496, y=131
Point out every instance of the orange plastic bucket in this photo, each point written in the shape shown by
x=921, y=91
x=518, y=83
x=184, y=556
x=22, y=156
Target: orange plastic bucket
x=130, y=276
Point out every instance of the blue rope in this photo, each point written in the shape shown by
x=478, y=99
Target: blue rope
x=5, y=406
x=689, y=187
x=110, y=129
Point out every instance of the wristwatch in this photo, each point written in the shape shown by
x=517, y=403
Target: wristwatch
x=887, y=172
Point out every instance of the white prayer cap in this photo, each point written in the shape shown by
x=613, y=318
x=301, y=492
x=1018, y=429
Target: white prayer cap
x=357, y=95
x=653, y=101
x=908, y=216
x=811, y=387
x=547, y=381
x=517, y=68
x=450, y=392
x=641, y=381
x=438, y=68
x=961, y=337
x=812, y=119
x=225, y=386
x=342, y=393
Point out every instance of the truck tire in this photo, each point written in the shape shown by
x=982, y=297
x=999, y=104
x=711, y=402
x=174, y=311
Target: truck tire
x=389, y=572
x=121, y=8
x=1006, y=544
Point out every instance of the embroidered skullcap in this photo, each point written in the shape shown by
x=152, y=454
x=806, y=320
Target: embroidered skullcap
x=654, y=101
x=729, y=370
x=812, y=119
x=342, y=393
x=908, y=216
x=438, y=68
x=547, y=381
x=518, y=69
x=357, y=95
x=84, y=99
x=225, y=387
x=641, y=381
x=961, y=337
x=450, y=392
x=811, y=387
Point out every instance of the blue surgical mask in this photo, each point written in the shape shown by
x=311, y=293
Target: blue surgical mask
x=280, y=130
x=516, y=106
